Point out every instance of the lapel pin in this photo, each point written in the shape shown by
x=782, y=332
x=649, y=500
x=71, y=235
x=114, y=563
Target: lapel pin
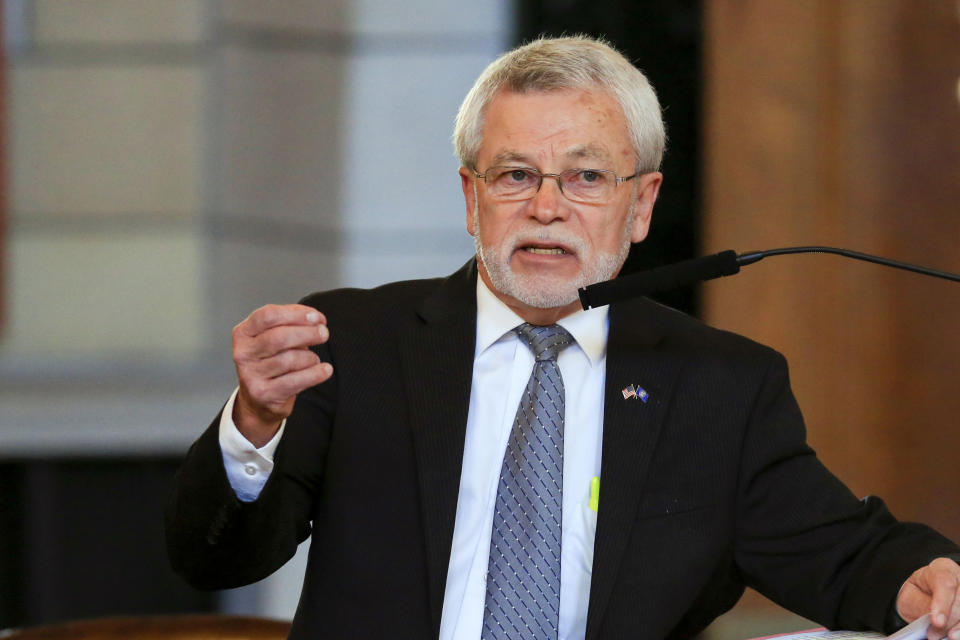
x=634, y=391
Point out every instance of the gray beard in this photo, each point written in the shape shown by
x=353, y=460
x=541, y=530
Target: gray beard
x=544, y=291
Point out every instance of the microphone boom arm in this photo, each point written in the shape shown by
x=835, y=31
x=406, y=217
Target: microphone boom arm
x=755, y=256
x=725, y=263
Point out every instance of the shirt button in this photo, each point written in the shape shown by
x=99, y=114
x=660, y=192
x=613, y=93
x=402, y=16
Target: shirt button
x=250, y=469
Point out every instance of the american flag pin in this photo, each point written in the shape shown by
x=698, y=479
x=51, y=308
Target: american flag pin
x=635, y=391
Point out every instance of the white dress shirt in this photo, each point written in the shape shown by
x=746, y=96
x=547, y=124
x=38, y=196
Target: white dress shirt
x=501, y=367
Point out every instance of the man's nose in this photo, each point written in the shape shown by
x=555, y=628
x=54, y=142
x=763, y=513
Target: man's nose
x=549, y=203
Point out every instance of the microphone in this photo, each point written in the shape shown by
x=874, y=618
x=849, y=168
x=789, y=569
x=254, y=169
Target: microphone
x=659, y=279
x=725, y=263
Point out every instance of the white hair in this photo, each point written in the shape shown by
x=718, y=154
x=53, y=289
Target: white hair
x=551, y=64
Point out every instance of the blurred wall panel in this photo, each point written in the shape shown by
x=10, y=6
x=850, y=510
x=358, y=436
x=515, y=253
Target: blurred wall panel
x=837, y=123
x=331, y=163
x=174, y=165
x=105, y=140
x=330, y=159
x=104, y=268
x=3, y=176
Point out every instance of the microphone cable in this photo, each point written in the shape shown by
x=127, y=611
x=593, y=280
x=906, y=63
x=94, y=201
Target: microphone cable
x=755, y=256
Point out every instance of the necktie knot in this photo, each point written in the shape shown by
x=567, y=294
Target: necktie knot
x=546, y=342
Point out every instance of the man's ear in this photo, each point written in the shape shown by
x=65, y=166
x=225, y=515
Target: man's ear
x=469, y=196
x=647, y=192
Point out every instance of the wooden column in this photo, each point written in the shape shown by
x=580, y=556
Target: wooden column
x=838, y=123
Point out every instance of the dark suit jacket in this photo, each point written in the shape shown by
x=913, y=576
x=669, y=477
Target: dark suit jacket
x=707, y=487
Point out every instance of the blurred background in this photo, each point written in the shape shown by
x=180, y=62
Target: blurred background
x=170, y=165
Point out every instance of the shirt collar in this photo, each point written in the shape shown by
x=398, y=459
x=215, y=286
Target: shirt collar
x=495, y=319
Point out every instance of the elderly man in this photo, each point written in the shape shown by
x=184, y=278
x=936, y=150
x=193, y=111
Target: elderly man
x=476, y=457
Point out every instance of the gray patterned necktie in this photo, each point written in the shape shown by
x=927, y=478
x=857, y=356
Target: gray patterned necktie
x=523, y=576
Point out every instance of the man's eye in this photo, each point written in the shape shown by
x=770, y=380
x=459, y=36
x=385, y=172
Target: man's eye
x=590, y=176
x=518, y=175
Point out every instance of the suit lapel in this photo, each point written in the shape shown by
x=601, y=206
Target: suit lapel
x=630, y=431
x=437, y=351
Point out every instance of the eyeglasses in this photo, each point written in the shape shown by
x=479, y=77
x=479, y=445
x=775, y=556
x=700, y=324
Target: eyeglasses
x=587, y=186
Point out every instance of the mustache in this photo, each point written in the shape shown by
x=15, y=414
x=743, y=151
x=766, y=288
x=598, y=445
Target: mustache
x=571, y=243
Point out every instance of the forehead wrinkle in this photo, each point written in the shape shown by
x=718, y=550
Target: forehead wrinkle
x=510, y=156
x=589, y=152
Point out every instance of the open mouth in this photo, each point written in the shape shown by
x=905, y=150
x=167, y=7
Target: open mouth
x=545, y=247
x=546, y=251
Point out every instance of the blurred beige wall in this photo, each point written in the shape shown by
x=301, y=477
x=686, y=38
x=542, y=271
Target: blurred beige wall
x=105, y=129
x=174, y=164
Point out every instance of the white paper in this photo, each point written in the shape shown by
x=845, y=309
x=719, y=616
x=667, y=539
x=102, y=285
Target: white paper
x=916, y=630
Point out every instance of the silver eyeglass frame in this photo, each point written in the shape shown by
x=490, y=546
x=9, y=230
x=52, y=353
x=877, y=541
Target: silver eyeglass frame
x=558, y=177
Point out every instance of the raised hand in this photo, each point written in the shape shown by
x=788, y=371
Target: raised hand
x=271, y=350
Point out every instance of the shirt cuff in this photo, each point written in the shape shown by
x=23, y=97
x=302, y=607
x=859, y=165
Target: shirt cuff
x=247, y=467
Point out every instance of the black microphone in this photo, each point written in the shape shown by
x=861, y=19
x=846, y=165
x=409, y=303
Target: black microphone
x=725, y=263
x=659, y=279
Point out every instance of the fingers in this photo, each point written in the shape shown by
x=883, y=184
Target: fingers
x=271, y=351
x=285, y=362
x=276, y=340
x=276, y=393
x=944, y=580
x=941, y=579
x=275, y=328
x=276, y=315
x=953, y=624
x=262, y=404
x=912, y=603
x=934, y=589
